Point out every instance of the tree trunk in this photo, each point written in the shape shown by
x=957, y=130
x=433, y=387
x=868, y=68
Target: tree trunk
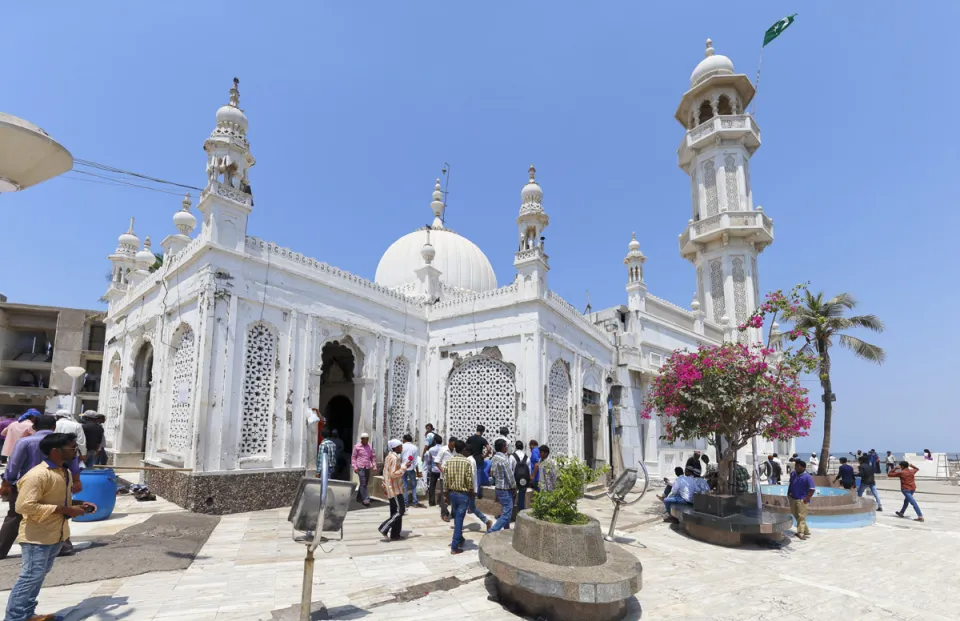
x=827, y=408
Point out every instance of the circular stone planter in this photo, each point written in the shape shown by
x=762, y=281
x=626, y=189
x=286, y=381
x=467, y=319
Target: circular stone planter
x=562, y=573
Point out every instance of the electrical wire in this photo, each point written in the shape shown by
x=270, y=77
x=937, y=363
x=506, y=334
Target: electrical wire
x=117, y=183
x=113, y=169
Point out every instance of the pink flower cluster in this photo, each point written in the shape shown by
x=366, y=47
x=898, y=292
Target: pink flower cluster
x=731, y=390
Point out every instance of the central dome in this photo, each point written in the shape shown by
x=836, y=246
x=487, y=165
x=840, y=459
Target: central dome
x=461, y=263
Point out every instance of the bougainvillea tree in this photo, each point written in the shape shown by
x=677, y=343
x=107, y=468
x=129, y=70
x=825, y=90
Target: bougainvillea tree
x=734, y=392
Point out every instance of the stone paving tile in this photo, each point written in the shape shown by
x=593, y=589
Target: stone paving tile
x=895, y=570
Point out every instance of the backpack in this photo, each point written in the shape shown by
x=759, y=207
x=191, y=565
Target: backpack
x=522, y=472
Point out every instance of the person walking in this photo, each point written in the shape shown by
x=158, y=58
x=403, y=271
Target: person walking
x=548, y=470
x=891, y=462
x=472, y=503
x=504, y=482
x=535, y=464
x=329, y=448
x=93, y=432
x=7, y=419
x=14, y=431
x=478, y=450
x=44, y=500
x=443, y=456
x=408, y=455
x=845, y=475
x=908, y=486
x=433, y=469
x=867, y=480
x=25, y=457
x=66, y=424
x=393, y=486
x=428, y=436
x=520, y=467
x=800, y=490
x=458, y=480
x=364, y=463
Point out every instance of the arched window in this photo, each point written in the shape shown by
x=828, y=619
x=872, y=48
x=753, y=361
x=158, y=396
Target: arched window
x=706, y=111
x=723, y=106
x=558, y=409
x=259, y=390
x=184, y=376
x=399, y=424
x=481, y=391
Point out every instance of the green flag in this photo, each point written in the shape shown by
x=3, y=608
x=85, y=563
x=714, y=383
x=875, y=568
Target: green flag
x=774, y=31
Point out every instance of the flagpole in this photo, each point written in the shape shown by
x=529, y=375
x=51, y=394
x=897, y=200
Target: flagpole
x=756, y=86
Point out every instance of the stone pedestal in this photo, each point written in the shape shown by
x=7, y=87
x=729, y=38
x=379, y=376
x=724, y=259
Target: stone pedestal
x=561, y=573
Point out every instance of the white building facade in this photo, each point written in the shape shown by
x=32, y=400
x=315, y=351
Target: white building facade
x=214, y=360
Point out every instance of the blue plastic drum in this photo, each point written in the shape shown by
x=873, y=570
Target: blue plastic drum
x=100, y=489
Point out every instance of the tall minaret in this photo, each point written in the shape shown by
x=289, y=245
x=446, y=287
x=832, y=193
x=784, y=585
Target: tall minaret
x=636, y=288
x=123, y=261
x=725, y=234
x=531, y=260
x=227, y=200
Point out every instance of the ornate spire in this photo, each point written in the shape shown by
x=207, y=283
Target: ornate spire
x=183, y=219
x=428, y=252
x=437, y=206
x=235, y=93
x=531, y=196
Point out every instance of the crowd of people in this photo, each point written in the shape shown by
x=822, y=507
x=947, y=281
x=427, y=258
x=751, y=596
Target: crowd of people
x=43, y=455
x=699, y=476
x=448, y=474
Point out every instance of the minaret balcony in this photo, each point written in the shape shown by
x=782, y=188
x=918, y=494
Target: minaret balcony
x=739, y=127
x=753, y=226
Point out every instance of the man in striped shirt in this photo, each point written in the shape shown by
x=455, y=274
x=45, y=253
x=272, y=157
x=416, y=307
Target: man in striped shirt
x=504, y=482
x=458, y=484
x=393, y=486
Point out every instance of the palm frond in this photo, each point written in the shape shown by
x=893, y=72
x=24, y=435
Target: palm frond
x=863, y=349
x=843, y=300
x=870, y=322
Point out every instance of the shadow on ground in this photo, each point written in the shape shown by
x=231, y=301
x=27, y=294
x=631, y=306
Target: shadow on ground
x=164, y=542
x=106, y=609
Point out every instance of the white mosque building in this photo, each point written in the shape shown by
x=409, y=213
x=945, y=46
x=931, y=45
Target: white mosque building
x=215, y=359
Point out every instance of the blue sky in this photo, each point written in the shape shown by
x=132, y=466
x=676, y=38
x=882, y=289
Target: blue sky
x=354, y=107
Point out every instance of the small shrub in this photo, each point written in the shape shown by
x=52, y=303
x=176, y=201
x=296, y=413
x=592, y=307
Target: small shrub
x=560, y=505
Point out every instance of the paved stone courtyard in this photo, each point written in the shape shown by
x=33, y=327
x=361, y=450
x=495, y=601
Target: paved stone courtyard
x=249, y=568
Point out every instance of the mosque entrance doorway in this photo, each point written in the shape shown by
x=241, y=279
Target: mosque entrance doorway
x=137, y=424
x=336, y=405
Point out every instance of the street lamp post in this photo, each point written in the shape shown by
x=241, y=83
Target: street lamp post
x=75, y=373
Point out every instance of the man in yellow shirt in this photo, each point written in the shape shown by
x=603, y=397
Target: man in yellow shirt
x=45, y=502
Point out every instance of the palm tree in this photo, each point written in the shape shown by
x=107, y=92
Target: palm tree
x=823, y=321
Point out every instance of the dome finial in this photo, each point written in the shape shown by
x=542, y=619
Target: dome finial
x=235, y=93
x=437, y=205
x=533, y=173
x=709, y=49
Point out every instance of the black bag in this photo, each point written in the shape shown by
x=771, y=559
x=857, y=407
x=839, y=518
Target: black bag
x=521, y=473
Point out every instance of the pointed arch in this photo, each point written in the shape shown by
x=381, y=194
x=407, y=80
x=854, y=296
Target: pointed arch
x=481, y=391
x=114, y=397
x=399, y=389
x=558, y=408
x=260, y=365
x=183, y=367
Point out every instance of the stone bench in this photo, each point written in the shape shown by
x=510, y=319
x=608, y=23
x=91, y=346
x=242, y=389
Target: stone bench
x=731, y=530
